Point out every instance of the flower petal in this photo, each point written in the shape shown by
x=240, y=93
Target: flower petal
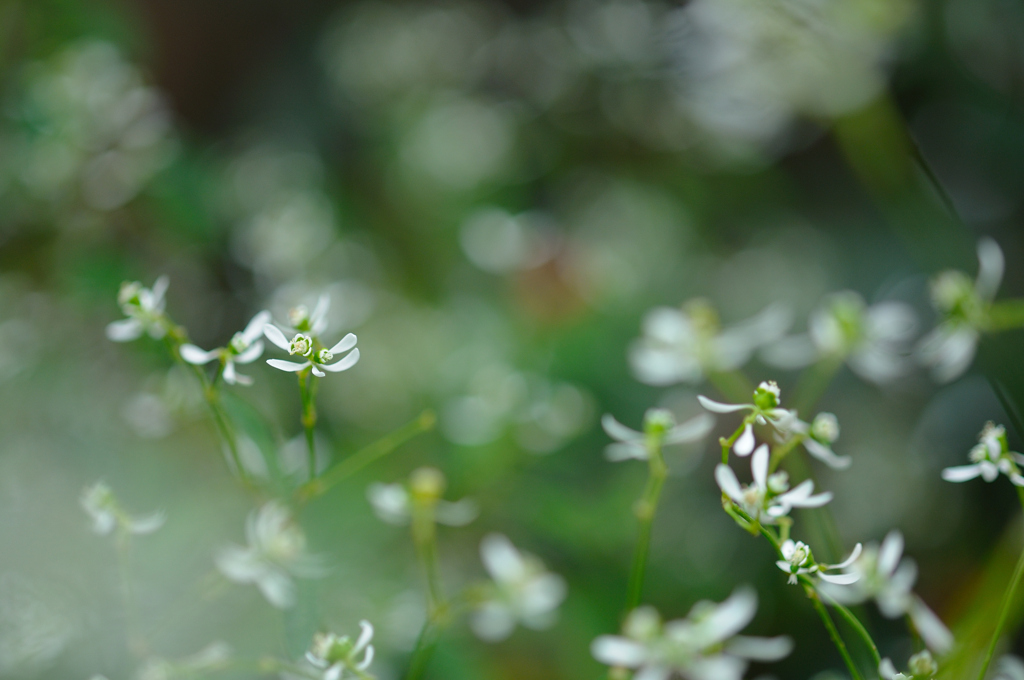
x=719, y=407
x=615, y=650
x=961, y=473
x=933, y=631
x=318, y=319
x=760, y=648
x=274, y=334
x=317, y=372
x=345, y=344
x=254, y=329
x=287, y=365
x=346, y=363
x=196, y=355
x=854, y=554
x=840, y=579
x=251, y=354
x=618, y=431
x=147, y=524
x=690, y=431
x=618, y=452
x=826, y=455
x=124, y=330
x=728, y=483
x=501, y=559
x=759, y=466
x=745, y=444
x=990, y=269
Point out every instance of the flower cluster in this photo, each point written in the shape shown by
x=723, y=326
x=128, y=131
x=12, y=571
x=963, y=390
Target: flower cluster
x=144, y=308
x=245, y=347
x=990, y=456
x=768, y=497
x=106, y=513
x=305, y=343
x=797, y=561
x=339, y=657
x=659, y=429
x=703, y=646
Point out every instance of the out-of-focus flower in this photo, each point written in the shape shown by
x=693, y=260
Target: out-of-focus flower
x=964, y=308
x=210, y=659
x=769, y=497
x=990, y=456
x=884, y=577
x=394, y=503
x=797, y=560
x=685, y=345
x=244, y=348
x=764, y=409
x=659, y=429
x=338, y=657
x=703, y=646
x=144, y=308
x=106, y=512
x=317, y=359
x=872, y=340
x=817, y=437
x=276, y=552
x=521, y=591
x=1009, y=667
x=921, y=666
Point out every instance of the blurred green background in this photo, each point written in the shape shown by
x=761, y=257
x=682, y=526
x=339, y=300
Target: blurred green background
x=494, y=195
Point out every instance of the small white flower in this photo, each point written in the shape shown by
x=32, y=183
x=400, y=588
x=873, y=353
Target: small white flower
x=106, y=513
x=685, y=345
x=768, y=497
x=964, y=305
x=314, y=323
x=144, y=308
x=276, y=551
x=817, y=438
x=797, y=560
x=921, y=666
x=883, y=576
x=304, y=345
x=522, y=591
x=336, y=655
x=872, y=340
x=703, y=646
x=244, y=348
x=764, y=409
x=990, y=456
x=659, y=429
x=394, y=503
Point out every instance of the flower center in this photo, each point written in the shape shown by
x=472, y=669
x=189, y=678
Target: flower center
x=324, y=355
x=301, y=344
x=238, y=343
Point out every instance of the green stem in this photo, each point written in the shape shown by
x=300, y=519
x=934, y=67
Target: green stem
x=357, y=461
x=833, y=633
x=1006, y=315
x=855, y=623
x=426, y=642
x=424, y=537
x=727, y=443
x=307, y=388
x=645, y=509
x=1008, y=599
x=782, y=450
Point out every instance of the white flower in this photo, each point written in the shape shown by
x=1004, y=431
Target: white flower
x=921, y=666
x=949, y=349
x=887, y=579
x=768, y=497
x=144, y=308
x=336, y=655
x=106, y=512
x=522, y=591
x=319, y=360
x=764, y=410
x=301, y=320
x=276, y=552
x=872, y=340
x=394, y=503
x=989, y=457
x=797, y=560
x=659, y=429
x=244, y=348
x=817, y=438
x=703, y=646
x=685, y=345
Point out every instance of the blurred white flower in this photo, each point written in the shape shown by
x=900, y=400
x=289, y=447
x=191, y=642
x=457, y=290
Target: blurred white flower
x=703, y=646
x=817, y=438
x=244, y=348
x=872, y=340
x=276, y=552
x=769, y=496
x=964, y=307
x=797, y=560
x=659, y=429
x=921, y=666
x=394, y=503
x=521, y=591
x=1010, y=667
x=685, y=345
x=884, y=577
x=338, y=657
x=106, y=513
x=990, y=456
x=764, y=409
x=144, y=308
x=305, y=346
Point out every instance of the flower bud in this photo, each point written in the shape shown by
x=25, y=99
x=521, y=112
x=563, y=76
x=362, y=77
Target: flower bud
x=658, y=421
x=922, y=665
x=238, y=343
x=766, y=396
x=643, y=623
x=129, y=294
x=324, y=355
x=298, y=317
x=825, y=428
x=427, y=483
x=778, y=482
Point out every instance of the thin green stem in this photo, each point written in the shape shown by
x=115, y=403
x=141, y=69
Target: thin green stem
x=1008, y=599
x=357, y=461
x=307, y=388
x=726, y=444
x=646, y=508
x=855, y=623
x=1006, y=315
x=832, y=631
x=426, y=642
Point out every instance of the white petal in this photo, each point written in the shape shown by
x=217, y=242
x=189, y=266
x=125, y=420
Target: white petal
x=501, y=559
x=719, y=667
x=196, y=355
x=990, y=268
x=274, y=334
x=147, y=524
x=826, y=455
x=277, y=587
x=345, y=344
x=814, y=501
x=618, y=651
x=492, y=622
x=124, y=330
x=254, y=329
x=367, y=659
x=252, y=353
x=365, y=635
x=854, y=554
x=839, y=579
x=790, y=353
x=458, y=513
x=317, y=372
x=618, y=452
x=745, y=444
x=287, y=365
x=160, y=288
x=692, y=430
x=617, y=430
x=653, y=672
x=719, y=407
x=731, y=616
x=890, y=552
x=318, y=319
x=759, y=648
x=933, y=631
x=728, y=483
x=346, y=363
x=390, y=502
x=961, y=473
x=886, y=669
x=891, y=321
x=759, y=466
